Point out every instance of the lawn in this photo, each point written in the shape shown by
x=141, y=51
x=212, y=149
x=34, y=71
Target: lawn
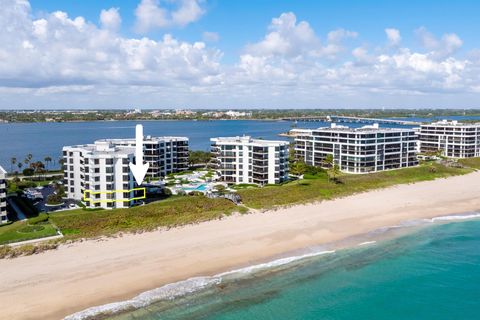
x=25, y=230
x=171, y=212
x=470, y=162
x=318, y=187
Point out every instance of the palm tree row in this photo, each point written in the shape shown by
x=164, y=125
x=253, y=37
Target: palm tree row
x=37, y=166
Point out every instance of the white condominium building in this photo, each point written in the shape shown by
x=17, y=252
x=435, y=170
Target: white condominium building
x=359, y=150
x=453, y=139
x=164, y=154
x=99, y=174
x=3, y=196
x=246, y=160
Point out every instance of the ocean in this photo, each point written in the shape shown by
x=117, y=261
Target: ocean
x=428, y=270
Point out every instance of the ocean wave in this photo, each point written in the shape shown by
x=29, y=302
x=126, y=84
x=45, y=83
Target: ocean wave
x=366, y=243
x=182, y=288
x=472, y=215
x=275, y=263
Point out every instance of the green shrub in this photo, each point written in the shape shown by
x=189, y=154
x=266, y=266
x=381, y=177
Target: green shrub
x=54, y=199
x=31, y=228
x=42, y=217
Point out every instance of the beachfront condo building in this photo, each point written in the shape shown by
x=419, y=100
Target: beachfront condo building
x=357, y=150
x=165, y=155
x=246, y=160
x=99, y=175
x=451, y=139
x=3, y=196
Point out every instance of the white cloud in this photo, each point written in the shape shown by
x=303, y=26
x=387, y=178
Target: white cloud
x=208, y=36
x=59, y=51
x=151, y=15
x=48, y=60
x=393, y=36
x=447, y=45
x=110, y=19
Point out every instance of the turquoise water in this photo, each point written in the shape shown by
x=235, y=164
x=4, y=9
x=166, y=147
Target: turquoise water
x=433, y=273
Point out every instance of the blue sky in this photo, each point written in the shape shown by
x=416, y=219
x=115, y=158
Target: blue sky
x=240, y=22
x=262, y=53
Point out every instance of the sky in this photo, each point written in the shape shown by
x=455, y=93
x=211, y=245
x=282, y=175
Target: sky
x=239, y=54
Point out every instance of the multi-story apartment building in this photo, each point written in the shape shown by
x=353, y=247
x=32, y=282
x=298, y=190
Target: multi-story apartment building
x=164, y=154
x=453, y=139
x=247, y=160
x=3, y=196
x=357, y=150
x=99, y=174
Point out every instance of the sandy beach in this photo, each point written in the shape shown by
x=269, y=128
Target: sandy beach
x=57, y=283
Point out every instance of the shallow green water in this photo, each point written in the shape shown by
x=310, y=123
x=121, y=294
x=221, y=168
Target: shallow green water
x=433, y=273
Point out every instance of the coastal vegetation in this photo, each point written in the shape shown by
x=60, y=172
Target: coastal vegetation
x=216, y=114
x=316, y=185
x=33, y=228
x=174, y=211
x=320, y=186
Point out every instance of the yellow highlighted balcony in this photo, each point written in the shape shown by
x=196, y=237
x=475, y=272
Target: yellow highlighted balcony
x=87, y=195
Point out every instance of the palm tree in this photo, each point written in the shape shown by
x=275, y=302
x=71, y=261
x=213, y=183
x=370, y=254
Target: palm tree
x=334, y=171
x=328, y=160
x=47, y=160
x=13, y=161
x=20, y=165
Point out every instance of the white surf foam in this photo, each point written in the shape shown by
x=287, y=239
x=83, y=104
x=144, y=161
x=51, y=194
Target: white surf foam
x=366, y=243
x=181, y=288
x=473, y=215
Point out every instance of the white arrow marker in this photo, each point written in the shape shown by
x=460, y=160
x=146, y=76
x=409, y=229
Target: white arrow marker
x=139, y=169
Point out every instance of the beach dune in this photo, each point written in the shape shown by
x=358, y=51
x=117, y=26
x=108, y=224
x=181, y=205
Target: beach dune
x=57, y=283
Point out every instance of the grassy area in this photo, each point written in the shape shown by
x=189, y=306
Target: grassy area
x=470, y=162
x=26, y=230
x=180, y=210
x=318, y=187
x=243, y=186
x=166, y=213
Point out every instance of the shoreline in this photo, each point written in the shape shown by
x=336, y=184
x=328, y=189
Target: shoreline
x=194, y=285
x=97, y=272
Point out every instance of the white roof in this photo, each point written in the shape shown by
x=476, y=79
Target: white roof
x=248, y=140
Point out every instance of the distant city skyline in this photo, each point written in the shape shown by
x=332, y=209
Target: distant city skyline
x=208, y=54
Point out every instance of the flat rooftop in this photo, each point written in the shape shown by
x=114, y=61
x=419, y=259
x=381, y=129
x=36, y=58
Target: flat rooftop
x=247, y=140
x=452, y=123
x=145, y=139
x=375, y=128
x=101, y=148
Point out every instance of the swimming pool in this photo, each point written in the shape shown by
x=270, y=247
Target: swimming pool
x=201, y=187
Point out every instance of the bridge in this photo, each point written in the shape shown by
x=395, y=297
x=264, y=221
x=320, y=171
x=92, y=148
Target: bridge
x=347, y=119
x=373, y=120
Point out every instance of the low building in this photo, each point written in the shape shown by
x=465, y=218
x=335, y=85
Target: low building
x=165, y=155
x=451, y=139
x=357, y=150
x=3, y=196
x=99, y=174
x=246, y=160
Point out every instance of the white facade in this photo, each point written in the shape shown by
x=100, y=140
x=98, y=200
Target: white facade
x=360, y=150
x=3, y=196
x=100, y=173
x=453, y=139
x=165, y=155
x=245, y=160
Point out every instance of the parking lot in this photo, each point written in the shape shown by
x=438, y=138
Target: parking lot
x=41, y=204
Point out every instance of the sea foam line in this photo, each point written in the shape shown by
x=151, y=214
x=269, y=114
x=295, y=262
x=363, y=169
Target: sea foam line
x=456, y=217
x=182, y=288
